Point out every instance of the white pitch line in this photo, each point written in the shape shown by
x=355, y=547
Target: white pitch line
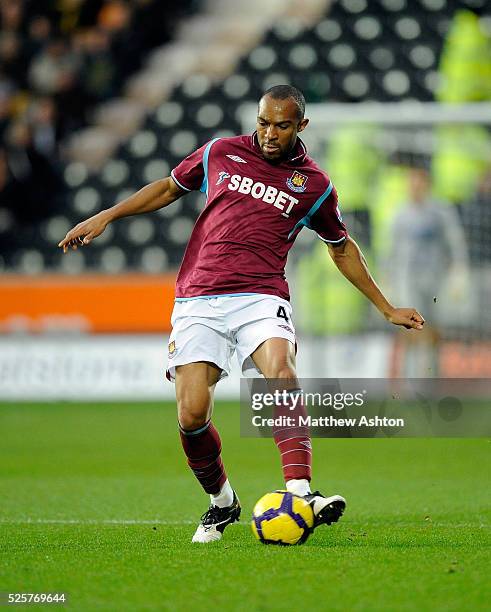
x=41, y=521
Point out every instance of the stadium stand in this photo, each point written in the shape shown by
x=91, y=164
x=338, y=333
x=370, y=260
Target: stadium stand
x=345, y=51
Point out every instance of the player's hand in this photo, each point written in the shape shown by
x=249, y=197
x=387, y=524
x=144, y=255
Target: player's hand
x=83, y=233
x=407, y=317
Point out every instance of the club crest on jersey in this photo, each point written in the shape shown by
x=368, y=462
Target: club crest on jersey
x=221, y=177
x=172, y=349
x=297, y=181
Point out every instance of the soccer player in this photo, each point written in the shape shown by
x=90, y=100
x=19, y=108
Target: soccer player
x=231, y=291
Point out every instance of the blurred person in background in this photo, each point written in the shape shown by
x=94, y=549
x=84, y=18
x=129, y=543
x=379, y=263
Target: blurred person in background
x=53, y=67
x=13, y=60
x=45, y=126
x=428, y=249
x=116, y=18
x=12, y=15
x=34, y=183
x=39, y=31
x=477, y=222
x=98, y=73
x=56, y=72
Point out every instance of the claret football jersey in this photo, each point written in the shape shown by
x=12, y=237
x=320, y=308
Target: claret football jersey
x=253, y=212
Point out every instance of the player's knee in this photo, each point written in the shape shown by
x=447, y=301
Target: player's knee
x=192, y=413
x=285, y=372
x=191, y=420
x=281, y=367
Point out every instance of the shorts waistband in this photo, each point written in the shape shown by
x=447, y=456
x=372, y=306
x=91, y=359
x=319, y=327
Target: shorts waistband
x=218, y=295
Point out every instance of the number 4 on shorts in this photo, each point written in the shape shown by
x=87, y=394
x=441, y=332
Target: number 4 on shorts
x=282, y=313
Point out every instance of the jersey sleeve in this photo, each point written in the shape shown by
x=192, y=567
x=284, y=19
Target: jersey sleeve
x=190, y=173
x=327, y=221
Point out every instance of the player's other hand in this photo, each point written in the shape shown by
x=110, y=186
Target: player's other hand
x=84, y=232
x=407, y=317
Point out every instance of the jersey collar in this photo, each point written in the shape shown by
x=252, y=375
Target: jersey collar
x=297, y=154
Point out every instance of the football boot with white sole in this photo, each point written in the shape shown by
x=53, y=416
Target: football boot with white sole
x=214, y=521
x=327, y=510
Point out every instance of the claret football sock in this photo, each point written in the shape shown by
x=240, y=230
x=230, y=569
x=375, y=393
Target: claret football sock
x=203, y=447
x=298, y=486
x=293, y=441
x=225, y=498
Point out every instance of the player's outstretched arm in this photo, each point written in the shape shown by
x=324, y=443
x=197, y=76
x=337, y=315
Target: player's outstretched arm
x=151, y=197
x=350, y=261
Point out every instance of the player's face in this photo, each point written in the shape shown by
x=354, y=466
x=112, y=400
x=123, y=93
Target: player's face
x=277, y=127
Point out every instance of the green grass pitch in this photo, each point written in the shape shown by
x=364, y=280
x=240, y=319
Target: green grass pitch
x=97, y=501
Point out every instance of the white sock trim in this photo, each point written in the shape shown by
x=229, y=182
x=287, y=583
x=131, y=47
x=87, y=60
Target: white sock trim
x=299, y=486
x=225, y=497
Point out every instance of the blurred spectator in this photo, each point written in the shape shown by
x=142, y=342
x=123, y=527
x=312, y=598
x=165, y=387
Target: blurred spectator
x=12, y=58
x=45, y=128
x=53, y=68
x=477, y=222
x=38, y=34
x=115, y=16
x=11, y=15
x=428, y=247
x=99, y=72
x=116, y=19
x=33, y=185
x=55, y=72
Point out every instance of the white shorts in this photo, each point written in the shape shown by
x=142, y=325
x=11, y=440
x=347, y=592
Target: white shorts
x=213, y=328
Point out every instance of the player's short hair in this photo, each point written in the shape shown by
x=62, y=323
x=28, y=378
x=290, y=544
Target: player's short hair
x=282, y=92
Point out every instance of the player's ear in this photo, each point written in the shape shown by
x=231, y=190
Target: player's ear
x=302, y=125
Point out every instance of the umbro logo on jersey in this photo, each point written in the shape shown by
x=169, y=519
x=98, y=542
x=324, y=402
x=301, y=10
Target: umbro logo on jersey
x=236, y=158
